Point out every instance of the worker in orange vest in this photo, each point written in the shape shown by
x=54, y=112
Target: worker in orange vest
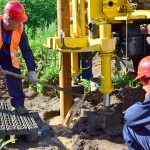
x=12, y=36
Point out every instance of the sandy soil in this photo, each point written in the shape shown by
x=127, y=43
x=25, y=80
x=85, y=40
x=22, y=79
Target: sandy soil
x=80, y=135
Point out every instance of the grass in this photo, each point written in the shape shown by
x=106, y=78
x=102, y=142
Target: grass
x=86, y=84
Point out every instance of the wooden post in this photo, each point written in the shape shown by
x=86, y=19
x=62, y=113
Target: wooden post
x=63, y=14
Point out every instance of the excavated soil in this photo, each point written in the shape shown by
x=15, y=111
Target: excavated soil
x=80, y=135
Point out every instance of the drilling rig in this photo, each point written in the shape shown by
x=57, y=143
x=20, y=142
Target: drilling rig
x=110, y=28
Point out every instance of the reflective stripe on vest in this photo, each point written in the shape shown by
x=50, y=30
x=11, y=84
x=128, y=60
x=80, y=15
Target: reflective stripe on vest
x=15, y=39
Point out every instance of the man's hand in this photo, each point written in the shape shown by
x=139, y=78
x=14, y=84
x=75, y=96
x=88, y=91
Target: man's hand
x=32, y=77
x=143, y=28
x=148, y=28
x=148, y=40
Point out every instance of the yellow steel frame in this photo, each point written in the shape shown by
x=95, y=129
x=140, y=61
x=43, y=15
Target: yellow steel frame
x=104, y=13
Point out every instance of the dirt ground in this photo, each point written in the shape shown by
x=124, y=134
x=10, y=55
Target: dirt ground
x=81, y=135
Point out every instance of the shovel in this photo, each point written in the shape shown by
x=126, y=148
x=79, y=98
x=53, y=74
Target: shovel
x=73, y=110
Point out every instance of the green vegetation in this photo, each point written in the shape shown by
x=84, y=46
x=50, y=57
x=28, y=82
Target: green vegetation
x=38, y=12
x=86, y=84
x=122, y=80
x=3, y=144
x=47, y=66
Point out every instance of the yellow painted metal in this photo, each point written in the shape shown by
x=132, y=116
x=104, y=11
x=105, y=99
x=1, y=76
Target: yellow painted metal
x=79, y=30
x=93, y=48
x=106, y=54
x=105, y=31
x=71, y=30
x=82, y=17
x=95, y=8
x=130, y=18
x=49, y=42
x=108, y=45
x=121, y=2
x=76, y=18
x=106, y=86
x=74, y=65
x=73, y=42
x=115, y=11
x=74, y=45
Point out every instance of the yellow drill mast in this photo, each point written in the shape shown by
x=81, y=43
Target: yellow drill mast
x=91, y=31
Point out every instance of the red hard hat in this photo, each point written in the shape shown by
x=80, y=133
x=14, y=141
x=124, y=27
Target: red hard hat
x=144, y=68
x=16, y=10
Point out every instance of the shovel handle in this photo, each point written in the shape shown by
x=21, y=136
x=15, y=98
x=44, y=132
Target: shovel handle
x=39, y=82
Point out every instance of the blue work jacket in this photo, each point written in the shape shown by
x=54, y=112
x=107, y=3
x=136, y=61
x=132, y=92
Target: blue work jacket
x=138, y=115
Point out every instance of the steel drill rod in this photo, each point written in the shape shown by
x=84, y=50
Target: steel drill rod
x=39, y=82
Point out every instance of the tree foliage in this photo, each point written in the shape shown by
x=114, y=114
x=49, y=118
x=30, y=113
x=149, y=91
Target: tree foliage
x=38, y=12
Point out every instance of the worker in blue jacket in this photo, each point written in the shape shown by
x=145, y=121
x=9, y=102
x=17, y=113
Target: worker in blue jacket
x=136, y=131
x=12, y=36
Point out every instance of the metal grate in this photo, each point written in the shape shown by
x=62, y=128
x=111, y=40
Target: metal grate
x=12, y=123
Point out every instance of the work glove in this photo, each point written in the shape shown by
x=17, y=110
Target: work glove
x=32, y=77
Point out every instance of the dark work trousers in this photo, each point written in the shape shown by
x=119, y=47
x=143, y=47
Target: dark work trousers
x=87, y=73
x=14, y=84
x=137, y=139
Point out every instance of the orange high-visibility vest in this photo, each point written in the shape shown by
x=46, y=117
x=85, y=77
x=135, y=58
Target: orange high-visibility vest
x=71, y=9
x=15, y=39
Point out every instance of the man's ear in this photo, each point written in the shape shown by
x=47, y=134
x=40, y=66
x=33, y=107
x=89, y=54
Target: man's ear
x=148, y=28
x=148, y=82
x=7, y=20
